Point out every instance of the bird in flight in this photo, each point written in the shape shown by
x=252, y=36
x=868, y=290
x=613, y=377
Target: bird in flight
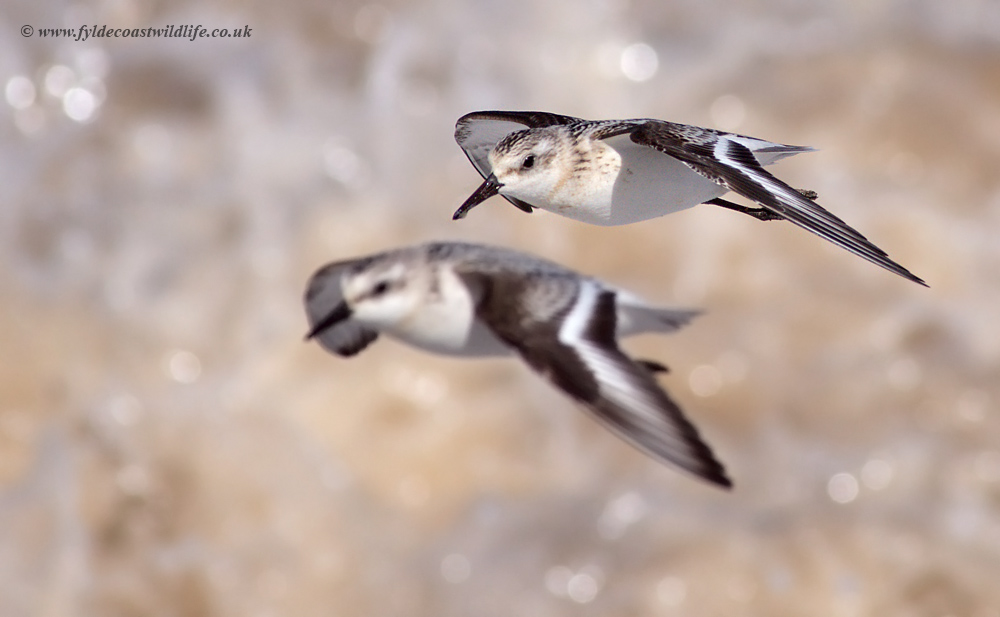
x=478, y=300
x=615, y=172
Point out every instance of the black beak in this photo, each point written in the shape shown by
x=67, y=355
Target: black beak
x=334, y=317
x=487, y=189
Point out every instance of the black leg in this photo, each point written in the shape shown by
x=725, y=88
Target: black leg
x=758, y=213
x=653, y=366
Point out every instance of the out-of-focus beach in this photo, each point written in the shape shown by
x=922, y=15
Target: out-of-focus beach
x=169, y=445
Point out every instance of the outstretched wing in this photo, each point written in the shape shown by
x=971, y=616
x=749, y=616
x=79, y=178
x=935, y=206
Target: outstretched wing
x=323, y=296
x=565, y=329
x=479, y=131
x=726, y=160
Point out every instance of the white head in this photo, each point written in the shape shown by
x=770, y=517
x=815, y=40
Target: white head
x=526, y=164
x=384, y=292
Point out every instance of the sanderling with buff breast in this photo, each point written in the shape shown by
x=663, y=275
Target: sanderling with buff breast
x=614, y=172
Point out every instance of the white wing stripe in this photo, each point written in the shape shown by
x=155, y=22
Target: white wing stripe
x=618, y=386
x=576, y=321
x=849, y=238
x=614, y=381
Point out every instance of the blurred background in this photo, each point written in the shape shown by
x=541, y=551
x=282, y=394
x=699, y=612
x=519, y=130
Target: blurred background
x=169, y=445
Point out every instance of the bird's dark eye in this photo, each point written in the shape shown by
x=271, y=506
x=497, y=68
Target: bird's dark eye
x=380, y=288
x=529, y=162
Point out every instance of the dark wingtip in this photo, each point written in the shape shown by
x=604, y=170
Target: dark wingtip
x=906, y=274
x=712, y=471
x=709, y=467
x=721, y=480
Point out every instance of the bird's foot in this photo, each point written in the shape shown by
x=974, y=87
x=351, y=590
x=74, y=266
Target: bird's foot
x=653, y=366
x=761, y=214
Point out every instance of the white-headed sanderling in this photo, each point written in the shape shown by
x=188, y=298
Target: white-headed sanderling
x=614, y=172
x=475, y=300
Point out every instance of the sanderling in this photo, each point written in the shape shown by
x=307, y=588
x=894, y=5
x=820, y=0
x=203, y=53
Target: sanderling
x=614, y=172
x=475, y=300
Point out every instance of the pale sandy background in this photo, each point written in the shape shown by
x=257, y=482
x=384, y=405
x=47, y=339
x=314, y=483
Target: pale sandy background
x=170, y=447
